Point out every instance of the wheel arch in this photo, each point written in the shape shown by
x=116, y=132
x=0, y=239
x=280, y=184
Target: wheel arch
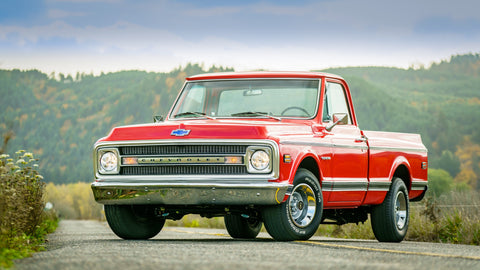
x=401, y=169
x=311, y=164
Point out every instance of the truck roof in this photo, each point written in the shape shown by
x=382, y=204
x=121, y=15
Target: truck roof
x=262, y=74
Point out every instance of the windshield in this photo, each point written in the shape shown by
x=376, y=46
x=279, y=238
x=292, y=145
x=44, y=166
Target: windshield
x=248, y=98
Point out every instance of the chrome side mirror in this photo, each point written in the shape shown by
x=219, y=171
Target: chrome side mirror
x=157, y=118
x=338, y=119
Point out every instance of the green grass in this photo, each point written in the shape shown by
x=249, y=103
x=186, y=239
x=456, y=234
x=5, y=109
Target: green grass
x=18, y=246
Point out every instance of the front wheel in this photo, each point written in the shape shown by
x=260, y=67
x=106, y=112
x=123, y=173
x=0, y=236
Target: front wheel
x=133, y=221
x=297, y=218
x=390, y=219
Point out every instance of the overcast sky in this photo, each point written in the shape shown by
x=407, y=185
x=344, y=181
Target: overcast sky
x=72, y=36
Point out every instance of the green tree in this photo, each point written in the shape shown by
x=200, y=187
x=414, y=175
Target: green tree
x=449, y=162
x=439, y=182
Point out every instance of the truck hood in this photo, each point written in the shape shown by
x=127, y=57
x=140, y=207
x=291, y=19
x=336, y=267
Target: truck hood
x=209, y=129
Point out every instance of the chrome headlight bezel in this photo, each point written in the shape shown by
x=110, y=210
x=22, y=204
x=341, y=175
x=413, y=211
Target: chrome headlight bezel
x=113, y=152
x=253, y=152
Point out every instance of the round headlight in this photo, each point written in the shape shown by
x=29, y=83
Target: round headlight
x=260, y=160
x=109, y=161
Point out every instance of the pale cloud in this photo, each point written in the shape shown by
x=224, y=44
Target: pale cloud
x=60, y=14
x=110, y=35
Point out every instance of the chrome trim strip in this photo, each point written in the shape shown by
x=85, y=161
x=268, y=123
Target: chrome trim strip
x=342, y=184
x=352, y=184
x=274, y=174
x=307, y=143
x=398, y=149
x=363, y=147
x=379, y=186
x=418, y=184
x=172, y=193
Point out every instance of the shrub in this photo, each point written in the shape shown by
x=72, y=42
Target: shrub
x=439, y=182
x=21, y=194
x=23, y=223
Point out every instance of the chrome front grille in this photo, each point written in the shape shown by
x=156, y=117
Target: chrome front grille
x=183, y=159
x=183, y=150
x=185, y=170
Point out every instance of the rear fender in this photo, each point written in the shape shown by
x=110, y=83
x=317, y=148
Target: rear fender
x=401, y=168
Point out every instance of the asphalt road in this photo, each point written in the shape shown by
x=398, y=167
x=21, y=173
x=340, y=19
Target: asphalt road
x=91, y=245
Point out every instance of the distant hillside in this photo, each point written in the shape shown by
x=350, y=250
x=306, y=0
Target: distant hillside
x=60, y=119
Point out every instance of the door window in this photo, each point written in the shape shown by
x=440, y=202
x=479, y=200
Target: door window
x=335, y=102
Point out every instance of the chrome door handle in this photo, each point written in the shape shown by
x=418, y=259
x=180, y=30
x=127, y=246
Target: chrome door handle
x=361, y=139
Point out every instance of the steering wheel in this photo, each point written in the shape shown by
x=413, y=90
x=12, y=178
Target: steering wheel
x=295, y=108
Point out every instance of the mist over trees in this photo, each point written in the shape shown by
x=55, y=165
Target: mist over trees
x=59, y=117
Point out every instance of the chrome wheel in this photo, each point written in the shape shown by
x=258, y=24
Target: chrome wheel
x=400, y=210
x=299, y=216
x=302, y=205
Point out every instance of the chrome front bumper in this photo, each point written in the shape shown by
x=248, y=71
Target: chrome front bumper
x=190, y=194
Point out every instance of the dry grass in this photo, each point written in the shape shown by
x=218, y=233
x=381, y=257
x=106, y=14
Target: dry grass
x=74, y=201
x=452, y=218
x=197, y=221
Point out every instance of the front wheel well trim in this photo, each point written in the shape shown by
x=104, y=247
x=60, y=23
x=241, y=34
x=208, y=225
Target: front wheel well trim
x=309, y=163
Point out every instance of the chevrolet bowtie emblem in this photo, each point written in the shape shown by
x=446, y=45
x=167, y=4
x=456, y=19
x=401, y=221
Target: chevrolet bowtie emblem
x=180, y=132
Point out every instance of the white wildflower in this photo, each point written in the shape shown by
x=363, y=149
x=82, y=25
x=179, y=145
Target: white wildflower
x=21, y=161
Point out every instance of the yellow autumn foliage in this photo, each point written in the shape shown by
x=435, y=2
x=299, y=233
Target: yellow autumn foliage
x=74, y=201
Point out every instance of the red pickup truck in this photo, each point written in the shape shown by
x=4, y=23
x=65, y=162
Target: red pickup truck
x=281, y=149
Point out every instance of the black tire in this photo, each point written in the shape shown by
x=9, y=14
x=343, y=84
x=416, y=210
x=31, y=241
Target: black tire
x=294, y=219
x=244, y=228
x=391, y=218
x=133, y=221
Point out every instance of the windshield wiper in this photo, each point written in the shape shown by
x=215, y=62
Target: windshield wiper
x=253, y=114
x=195, y=114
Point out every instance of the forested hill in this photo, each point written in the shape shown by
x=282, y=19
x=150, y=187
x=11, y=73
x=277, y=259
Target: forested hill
x=60, y=119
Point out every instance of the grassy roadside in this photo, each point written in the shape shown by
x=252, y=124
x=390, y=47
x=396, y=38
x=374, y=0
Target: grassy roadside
x=24, y=223
x=451, y=218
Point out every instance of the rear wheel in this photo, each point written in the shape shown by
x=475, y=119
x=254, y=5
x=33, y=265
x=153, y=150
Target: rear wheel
x=390, y=219
x=297, y=218
x=240, y=227
x=133, y=221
